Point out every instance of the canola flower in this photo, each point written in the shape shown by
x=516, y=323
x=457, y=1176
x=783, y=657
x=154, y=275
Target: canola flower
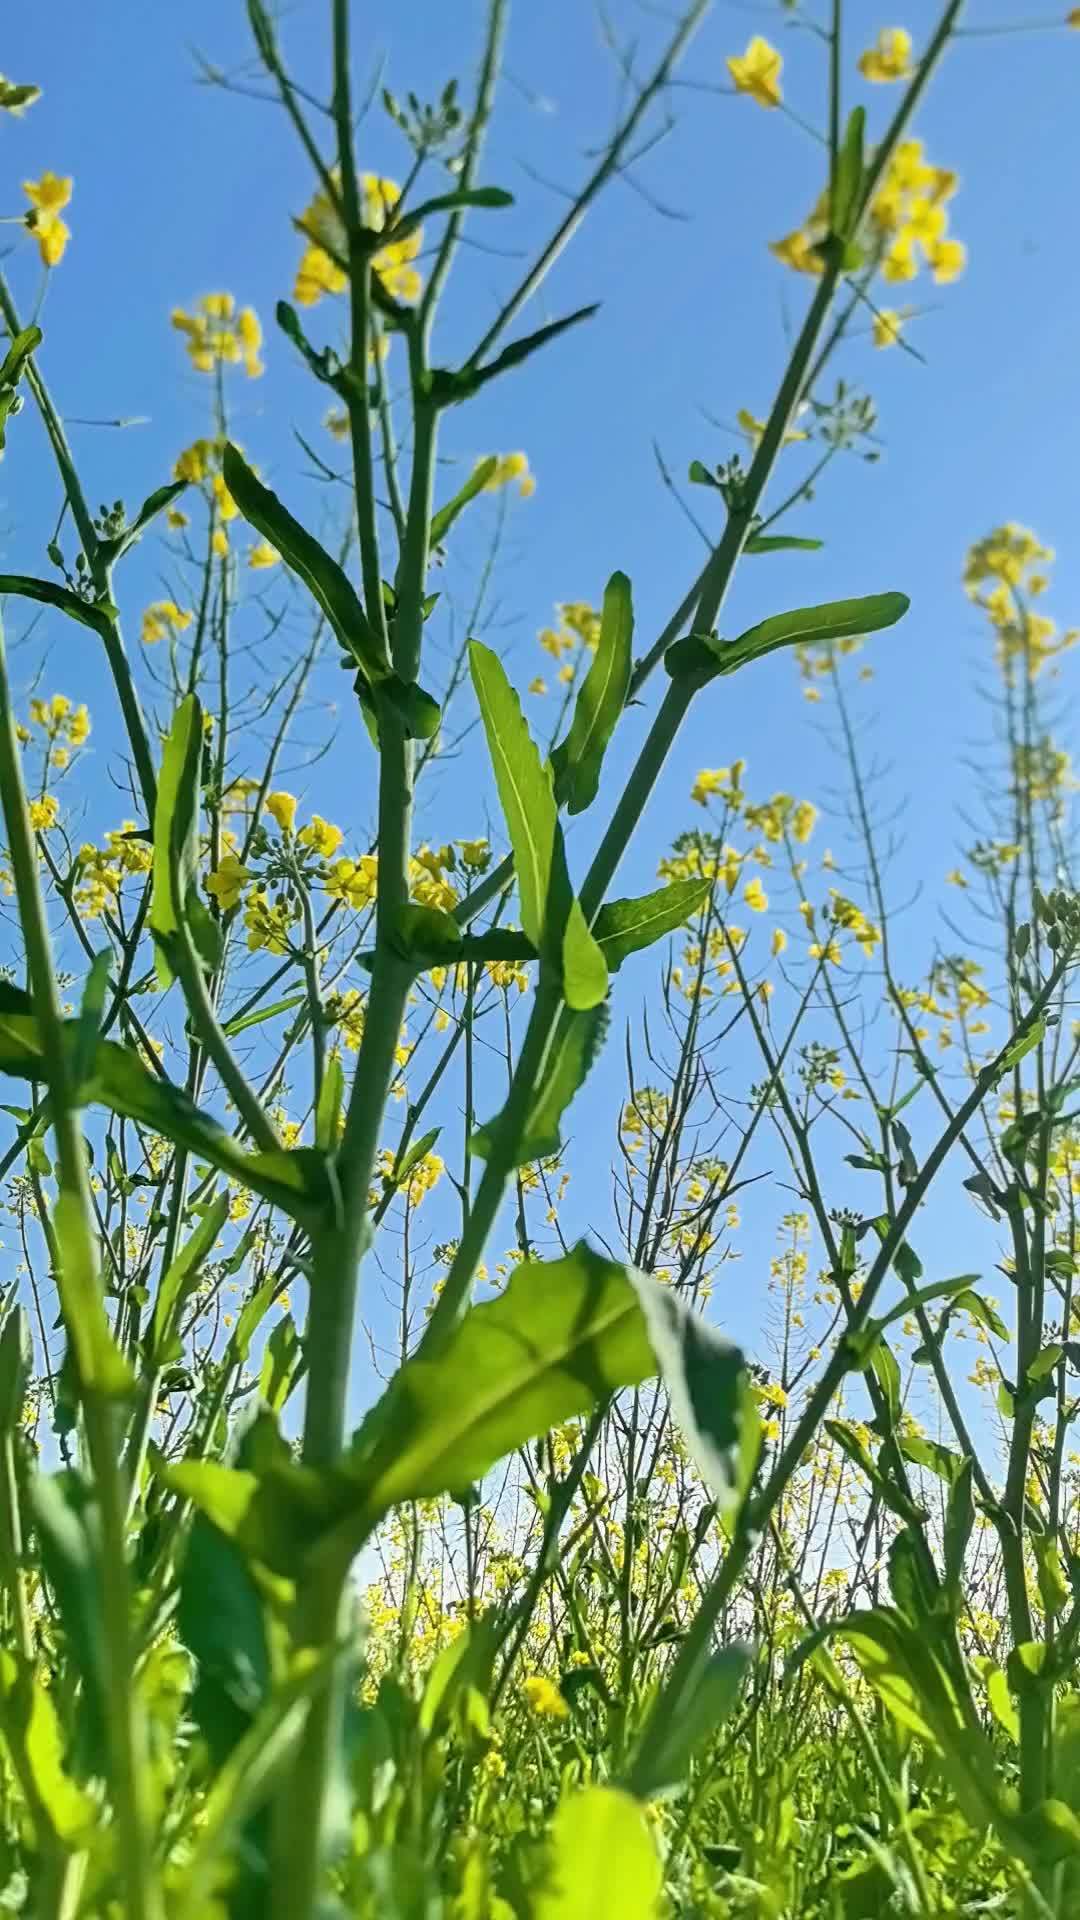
x=543, y=1696
x=163, y=620
x=508, y=468
x=47, y=197
x=322, y=269
x=216, y=334
x=906, y=227
x=890, y=59
x=1003, y=573
x=757, y=72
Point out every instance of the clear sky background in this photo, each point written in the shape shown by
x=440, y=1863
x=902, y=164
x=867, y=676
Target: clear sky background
x=180, y=188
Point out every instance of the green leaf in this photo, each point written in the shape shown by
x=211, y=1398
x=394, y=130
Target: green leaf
x=457, y=202
x=16, y=1362
x=329, y=585
x=847, y=176
x=426, y=935
x=563, y=1336
x=894, y=1497
x=959, y=1522
x=258, y=1015
x=175, y=901
x=67, y=1533
x=250, y=1319
x=91, y=1014
x=330, y=1105
x=24, y=343
x=157, y=502
x=101, y=1367
x=220, y=1621
x=602, y=1860
x=294, y=1180
x=780, y=543
x=180, y=1280
x=443, y=520
x=834, y=620
x=623, y=927
x=1000, y=1701
x=403, y=1167
x=578, y=1039
x=1045, y=1361
x=930, y=1453
x=48, y=594
x=1054, y=1590
x=282, y=1363
x=521, y=350
x=525, y=788
x=600, y=702
x=62, y=1812
x=663, y=1762
x=584, y=969
x=710, y=1392
x=1020, y=1048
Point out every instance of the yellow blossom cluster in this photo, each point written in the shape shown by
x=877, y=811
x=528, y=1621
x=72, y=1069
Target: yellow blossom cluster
x=1003, y=573
x=417, y=1181
x=889, y=59
x=163, y=620
x=323, y=264
x=217, y=335
x=576, y=630
x=907, y=226
x=66, y=727
x=47, y=197
x=101, y=870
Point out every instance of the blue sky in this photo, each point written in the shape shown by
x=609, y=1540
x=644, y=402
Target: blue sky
x=180, y=188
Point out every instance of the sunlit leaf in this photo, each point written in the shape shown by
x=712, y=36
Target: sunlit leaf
x=578, y=1039
x=602, y=1860
x=600, y=702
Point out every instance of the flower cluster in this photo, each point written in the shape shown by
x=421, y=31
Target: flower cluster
x=1003, y=573
x=163, y=620
x=576, y=633
x=322, y=265
x=216, y=335
x=65, y=727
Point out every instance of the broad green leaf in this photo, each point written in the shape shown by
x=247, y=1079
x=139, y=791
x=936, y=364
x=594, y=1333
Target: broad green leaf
x=710, y=1392
x=60, y=1808
x=524, y=783
x=930, y=1453
x=563, y=1336
x=96, y=614
x=294, y=1180
x=91, y=1015
x=180, y=1280
x=466, y=1662
x=250, y=1319
x=330, y=1105
x=403, y=1167
x=325, y=580
x=22, y=346
x=67, y=1533
x=701, y=657
x=584, y=969
x=851, y=1443
x=282, y=1363
x=959, y=1522
x=101, y=1367
x=602, y=1860
x=16, y=1361
x=221, y=1622
x=781, y=543
x=834, y=620
x=426, y=935
x=175, y=900
x=998, y=1698
x=1054, y=1589
x=272, y=1515
x=662, y=1764
x=1045, y=1361
x=885, y=1367
x=623, y=927
x=443, y=520
x=1020, y=1048
x=578, y=1039
x=600, y=701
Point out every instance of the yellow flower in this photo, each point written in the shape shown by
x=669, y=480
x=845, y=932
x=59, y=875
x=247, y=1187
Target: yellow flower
x=890, y=59
x=798, y=250
x=755, y=896
x=46, y=197
x=227, y=881
x=475, y=854
x=175, y=517
x=956, y=878
x=354, y=881
x=538, y=685
x=320, y=270
x=321, y=836
x=215, y=339
x=263, y=555
x=162, y=620
x=220, y=543
x=223, y=500
x=510, y=467
x=754, y=428
x=830, y=952
x=946, y=260
x=900, y=262
x=543, y=1696
x=779, y=941
x=44, y=813
x=757, y=72
x=887, y=327
x=282, y=808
